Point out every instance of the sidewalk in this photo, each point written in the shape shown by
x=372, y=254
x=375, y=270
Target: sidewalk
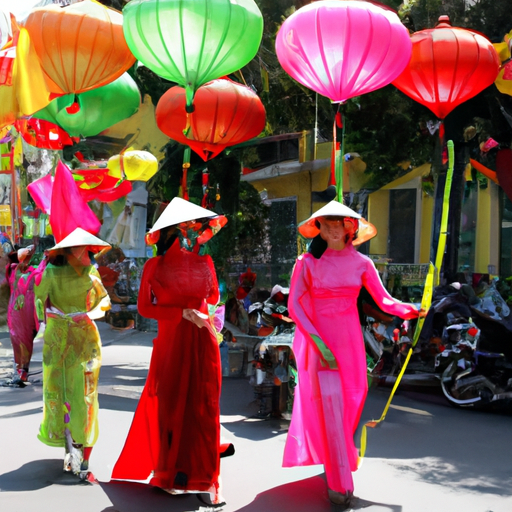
x=426, y=457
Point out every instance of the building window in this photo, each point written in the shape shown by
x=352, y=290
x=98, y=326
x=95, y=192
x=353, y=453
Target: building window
x=468, y=220
x=506, y=236
x=402, y=225
x=283, y=238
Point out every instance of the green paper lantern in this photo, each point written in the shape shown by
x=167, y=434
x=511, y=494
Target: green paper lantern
x=91, y=112
x=191, y=42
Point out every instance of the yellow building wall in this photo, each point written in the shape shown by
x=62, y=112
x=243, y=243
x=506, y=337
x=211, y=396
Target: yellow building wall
x=354, y=177
x=323, y=150
x=427, y=216
x=487, y=229
x=378, y=215
x=495, y=228
x=299, y=184
x=142, y=129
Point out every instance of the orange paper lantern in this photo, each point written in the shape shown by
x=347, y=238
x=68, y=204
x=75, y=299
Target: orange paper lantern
x=226, y=114
x=24, y=87
x=80, y=46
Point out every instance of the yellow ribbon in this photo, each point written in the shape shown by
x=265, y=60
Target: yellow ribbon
x=431, y=281
x=425, y=305
x=444, y=217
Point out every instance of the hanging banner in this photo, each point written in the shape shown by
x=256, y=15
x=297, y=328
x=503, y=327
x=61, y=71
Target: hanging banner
x=124, y=222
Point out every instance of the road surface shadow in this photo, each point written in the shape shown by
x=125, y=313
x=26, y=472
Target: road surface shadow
x=455, y=448
x=137, y=497
x=306, y=496
x=36, y=475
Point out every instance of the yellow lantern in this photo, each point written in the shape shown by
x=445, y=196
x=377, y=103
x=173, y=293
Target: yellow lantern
x=134, y=165
x=503, y=81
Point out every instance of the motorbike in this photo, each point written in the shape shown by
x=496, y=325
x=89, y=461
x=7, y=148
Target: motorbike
x=275, y=372
x=464, y=348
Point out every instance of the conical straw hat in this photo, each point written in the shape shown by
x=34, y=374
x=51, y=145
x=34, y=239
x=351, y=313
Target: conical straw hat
x=80, y=237
x=366, y=230
x=179, y=210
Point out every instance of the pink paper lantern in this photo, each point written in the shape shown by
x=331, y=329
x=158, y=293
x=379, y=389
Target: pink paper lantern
x=41, y=192
x=68, y=209
x=343, y=49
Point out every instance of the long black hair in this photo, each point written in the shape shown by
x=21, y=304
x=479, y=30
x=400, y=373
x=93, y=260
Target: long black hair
x=167, y=237
x=317, y=246
x=60, y=258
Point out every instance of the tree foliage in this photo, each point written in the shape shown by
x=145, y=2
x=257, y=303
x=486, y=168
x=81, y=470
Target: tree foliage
x=386, y=127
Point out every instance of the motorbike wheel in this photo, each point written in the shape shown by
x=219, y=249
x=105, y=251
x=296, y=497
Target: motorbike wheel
x=468, y=397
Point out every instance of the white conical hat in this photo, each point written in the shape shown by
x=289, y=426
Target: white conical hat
x=80, y=237
x=366, y=230
x=180, y=210
x=337, y=209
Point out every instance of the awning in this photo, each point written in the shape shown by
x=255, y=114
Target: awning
x=283, y=168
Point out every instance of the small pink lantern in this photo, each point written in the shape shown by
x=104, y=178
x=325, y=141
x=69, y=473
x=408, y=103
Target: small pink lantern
x=343, y=49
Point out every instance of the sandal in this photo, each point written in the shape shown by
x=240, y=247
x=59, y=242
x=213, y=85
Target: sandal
x=209, y=503
x=339, y=498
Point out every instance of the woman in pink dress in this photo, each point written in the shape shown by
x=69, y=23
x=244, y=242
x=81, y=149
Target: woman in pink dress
x=21, y=313
x=329, y=347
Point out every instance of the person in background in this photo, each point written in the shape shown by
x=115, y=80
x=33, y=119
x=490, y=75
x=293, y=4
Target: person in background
x=6, y=248
x=329, y=348
x=175, y=433
x=69, y=297
x=21, y=314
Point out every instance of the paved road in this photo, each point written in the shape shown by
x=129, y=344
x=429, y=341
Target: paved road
x=426, y=456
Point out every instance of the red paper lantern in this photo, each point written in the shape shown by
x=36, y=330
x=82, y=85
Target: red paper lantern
x=81, y=46
x=43, y=134
x=226, y=114
x=504, y=170
x=449, y=65
x=96, y=184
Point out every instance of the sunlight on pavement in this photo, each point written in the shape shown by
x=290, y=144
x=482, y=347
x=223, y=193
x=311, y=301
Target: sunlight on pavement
x=411, y=410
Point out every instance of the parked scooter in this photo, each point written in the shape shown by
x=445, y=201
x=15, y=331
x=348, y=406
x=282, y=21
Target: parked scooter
x=275, y=373
x=465, y=347
x=387, y=340
x=475, y=365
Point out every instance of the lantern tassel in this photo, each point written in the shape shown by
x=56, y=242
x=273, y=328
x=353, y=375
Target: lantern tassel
x=189, y=97
x=442, y=142
x=74, y=108
x=186, y=166
x=337, y=154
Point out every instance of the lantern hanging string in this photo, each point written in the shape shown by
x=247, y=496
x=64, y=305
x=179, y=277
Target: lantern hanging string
x=121, y=166
x=186, y=166
x=186, y=162
x=337, y=154
x=441, y=133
